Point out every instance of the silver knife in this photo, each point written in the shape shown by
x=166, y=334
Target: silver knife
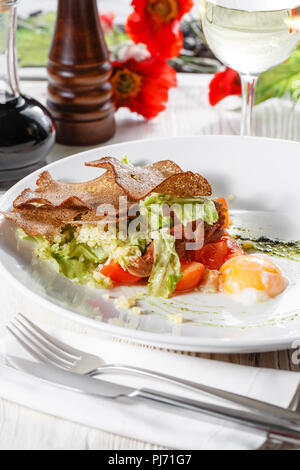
x=278, y=429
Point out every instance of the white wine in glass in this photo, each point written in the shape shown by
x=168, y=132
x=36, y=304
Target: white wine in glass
x=251, y=36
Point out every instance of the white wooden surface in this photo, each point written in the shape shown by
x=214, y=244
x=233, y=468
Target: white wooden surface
x=188, y=113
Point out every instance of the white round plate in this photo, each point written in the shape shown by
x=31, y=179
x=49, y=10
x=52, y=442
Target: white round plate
x=263, y=174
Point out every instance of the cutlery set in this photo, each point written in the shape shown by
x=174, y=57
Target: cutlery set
x=62, y=365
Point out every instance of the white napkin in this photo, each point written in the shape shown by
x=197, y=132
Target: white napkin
x=162, y=427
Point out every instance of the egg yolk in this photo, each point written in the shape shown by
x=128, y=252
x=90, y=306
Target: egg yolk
x=253, y=271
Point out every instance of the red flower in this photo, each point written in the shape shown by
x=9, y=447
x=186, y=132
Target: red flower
x=107, y=21
x=224, y=84
x=156, y=23
x=143, y=86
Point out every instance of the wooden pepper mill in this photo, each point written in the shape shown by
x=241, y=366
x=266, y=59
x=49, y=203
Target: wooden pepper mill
x=79, y=91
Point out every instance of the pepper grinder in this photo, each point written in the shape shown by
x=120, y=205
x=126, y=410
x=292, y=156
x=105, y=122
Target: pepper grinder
x=79, y=91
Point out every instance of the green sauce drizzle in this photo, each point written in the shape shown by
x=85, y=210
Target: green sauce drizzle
x=273, y=247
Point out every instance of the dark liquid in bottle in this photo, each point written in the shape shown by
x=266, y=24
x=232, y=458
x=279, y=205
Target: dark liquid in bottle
x=27, y=134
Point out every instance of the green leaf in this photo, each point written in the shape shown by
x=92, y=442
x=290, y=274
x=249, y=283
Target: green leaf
x=186, y=209
x=34, y=38
x=284, y=78
x=166, y=270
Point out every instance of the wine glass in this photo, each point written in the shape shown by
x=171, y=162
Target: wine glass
x=250, y=36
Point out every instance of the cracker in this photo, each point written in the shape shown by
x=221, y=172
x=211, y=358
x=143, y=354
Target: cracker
x=164, y=177
x=90, y=194
x=52, y=204
x=42, y=221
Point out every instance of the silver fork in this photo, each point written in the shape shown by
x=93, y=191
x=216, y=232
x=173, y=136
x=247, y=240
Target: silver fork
x=51, y=351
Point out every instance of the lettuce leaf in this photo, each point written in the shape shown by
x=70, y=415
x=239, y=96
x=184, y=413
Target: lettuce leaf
x=186, y=209
x=284, y=78
x=75, y=261
x=166, y=270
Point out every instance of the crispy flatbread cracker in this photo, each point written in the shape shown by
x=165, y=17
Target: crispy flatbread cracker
x=43, y=221
x=119, y=180
x=52, y=204
x=90, y=194
x=164, y=176
x=185, y=185
x=47, y=221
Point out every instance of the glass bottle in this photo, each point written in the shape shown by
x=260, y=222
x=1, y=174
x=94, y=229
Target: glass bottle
x=27, y=132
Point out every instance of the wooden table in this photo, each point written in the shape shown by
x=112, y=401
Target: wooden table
x=188, y=113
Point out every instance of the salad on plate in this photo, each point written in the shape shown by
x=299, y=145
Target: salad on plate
x=155, y=225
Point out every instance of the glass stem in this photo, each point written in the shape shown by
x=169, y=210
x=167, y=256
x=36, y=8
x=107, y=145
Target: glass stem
x=248, y=91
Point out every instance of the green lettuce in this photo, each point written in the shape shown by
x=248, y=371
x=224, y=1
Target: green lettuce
x=166, y=270
x=121, y=249
x=186, y=209
x=76, y=261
